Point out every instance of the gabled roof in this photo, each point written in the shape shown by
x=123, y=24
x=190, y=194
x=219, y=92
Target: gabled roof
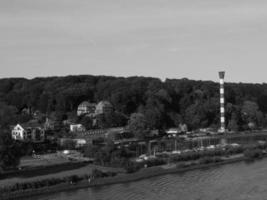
x=173, y=130
x=86, y=103
x=32, y=124
x=102, y=104
x=13, y=126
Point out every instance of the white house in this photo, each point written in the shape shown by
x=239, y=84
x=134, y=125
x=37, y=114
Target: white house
x=77, y=128
x=173, y=131
x=19, y=133
x=86, y=108
x=28, y=132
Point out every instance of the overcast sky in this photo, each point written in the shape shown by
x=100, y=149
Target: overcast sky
x=159, y=38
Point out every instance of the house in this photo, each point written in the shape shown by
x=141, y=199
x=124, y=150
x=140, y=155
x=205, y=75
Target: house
x=154, y=133
x=71, y=142
x=31, y=131
x=68, y=122
x=18, y=133
x=26, y=111
x=183, y=128
x=91, y=109
x=86, y=108
x=103, y=107
x=77, y=128
x=96, y=134
x=173, y=131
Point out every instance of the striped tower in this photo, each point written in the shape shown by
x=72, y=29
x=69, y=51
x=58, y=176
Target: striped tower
x=221, y=75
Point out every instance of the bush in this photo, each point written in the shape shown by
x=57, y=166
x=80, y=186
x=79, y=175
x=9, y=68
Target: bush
x=182, y=165
x=132, y=167
x=97, y=173
x=207, y=160
x=42, y=183
x=154, y=162
x=253, y=153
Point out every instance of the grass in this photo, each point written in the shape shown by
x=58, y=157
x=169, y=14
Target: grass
x=49, y=159
x=50, y=166
x=80, y=171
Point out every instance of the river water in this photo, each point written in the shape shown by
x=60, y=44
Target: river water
x=238, y=181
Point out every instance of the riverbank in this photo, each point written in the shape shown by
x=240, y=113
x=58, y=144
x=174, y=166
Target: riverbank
x=43, y=170
x=121, y=178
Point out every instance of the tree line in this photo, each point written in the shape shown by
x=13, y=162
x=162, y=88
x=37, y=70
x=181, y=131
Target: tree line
x=162, y=103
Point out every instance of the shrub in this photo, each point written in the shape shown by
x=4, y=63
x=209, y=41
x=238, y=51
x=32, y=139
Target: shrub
x=132, y=167
x=253, y=153
x=207, y=160
x=154, y=162
x=97, y=173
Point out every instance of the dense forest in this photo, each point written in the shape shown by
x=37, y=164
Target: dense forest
x=163, y=103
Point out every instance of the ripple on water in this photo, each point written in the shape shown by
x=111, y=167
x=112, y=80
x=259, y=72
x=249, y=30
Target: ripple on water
x=239, y=181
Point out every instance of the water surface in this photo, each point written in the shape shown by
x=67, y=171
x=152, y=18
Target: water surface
x=239, y=181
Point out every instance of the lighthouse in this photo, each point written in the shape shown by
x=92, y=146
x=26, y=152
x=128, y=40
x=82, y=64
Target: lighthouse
x=222, y=102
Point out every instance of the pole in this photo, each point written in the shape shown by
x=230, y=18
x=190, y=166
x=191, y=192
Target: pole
x=222, y=110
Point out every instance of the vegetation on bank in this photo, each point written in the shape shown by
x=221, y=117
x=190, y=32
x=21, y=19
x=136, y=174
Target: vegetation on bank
x=44, y=183
x=252, y=152
x=10, y=152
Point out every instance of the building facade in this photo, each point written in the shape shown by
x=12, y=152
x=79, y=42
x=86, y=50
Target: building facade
x=77, y=128
x=103, y=107
x=86, y=108
x=92, y=109
x=24, y=132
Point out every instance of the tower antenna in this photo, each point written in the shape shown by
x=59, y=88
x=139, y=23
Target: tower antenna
x=222, y=102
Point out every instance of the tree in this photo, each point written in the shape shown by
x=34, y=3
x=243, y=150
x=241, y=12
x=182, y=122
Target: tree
x=233, y=123
x=155, y=118
x=90, y=150
x=69, y=144
x=176, y=119
x=194, y=116
x=87, y=122
x=251, y=113
x=112, y=119
x=59, y=117
x=9, y=151
x=138, y=125
x=249, y=110
x=104, y=120
x=8, y=115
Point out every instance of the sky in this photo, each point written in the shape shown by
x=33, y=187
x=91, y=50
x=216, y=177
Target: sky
x=160, y=38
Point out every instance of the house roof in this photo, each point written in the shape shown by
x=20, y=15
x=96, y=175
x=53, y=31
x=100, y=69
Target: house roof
x=31, y=124
x=173, y=130
x=102, y=104
x=87, y=103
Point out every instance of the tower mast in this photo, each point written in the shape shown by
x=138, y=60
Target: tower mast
x=222, y=101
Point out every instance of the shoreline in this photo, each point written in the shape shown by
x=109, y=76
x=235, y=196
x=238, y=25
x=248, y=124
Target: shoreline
x=43, y=169
x=119, y=179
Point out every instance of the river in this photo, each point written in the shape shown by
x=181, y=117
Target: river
x=238, y=181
